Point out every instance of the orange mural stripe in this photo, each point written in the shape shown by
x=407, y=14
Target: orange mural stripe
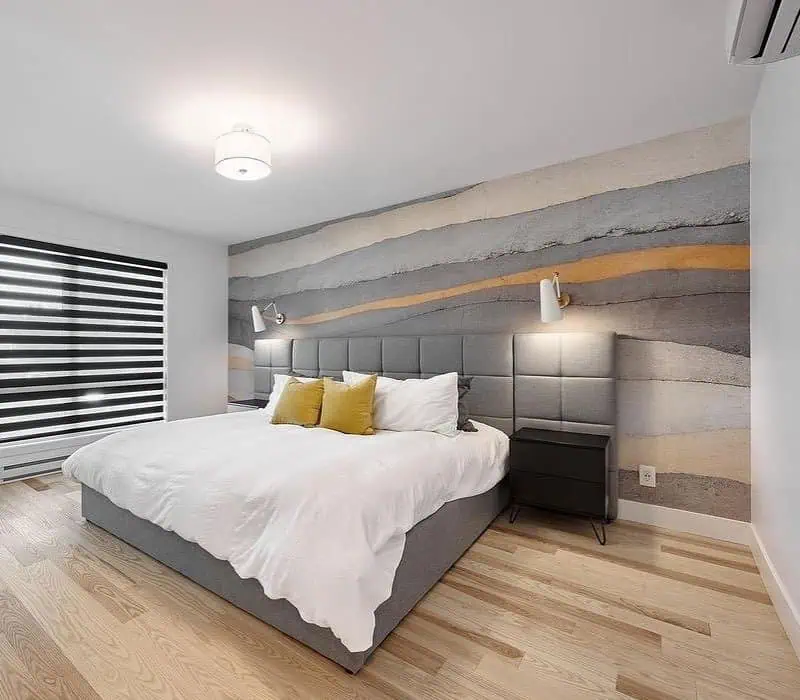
x=596, y=269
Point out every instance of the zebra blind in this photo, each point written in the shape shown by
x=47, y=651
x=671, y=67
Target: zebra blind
x=81, y=340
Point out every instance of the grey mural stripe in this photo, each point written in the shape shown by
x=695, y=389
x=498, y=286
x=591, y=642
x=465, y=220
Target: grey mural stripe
x=708, y=199
x=447, y=274
x=715, y=320
x=644, y=359
x=252, y=244
x=725, y=498
x=680, y=407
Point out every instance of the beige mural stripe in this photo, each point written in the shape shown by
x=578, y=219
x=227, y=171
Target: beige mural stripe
x=596, y=269
x=670, y=157
x=717, y=453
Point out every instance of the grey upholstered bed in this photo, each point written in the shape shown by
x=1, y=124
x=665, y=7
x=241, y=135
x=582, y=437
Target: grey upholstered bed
x=553, y=380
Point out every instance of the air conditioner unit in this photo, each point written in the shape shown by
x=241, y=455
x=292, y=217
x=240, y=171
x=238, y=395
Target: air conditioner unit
x=767, y=31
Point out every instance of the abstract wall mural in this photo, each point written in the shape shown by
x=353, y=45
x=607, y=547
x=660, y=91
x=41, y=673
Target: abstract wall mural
x=651, y=241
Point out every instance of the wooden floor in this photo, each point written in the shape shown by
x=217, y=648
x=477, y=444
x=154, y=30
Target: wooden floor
x=537, y=610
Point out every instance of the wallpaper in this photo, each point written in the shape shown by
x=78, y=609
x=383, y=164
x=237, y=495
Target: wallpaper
x=651, y=241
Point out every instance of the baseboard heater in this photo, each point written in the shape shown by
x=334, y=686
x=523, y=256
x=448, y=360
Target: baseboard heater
x=23, y=470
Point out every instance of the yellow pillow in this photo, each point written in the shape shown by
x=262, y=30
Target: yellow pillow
x=299, y=403
x=348, y=409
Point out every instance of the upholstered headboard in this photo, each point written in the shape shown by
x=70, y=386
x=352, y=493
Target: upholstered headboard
x=562, y=381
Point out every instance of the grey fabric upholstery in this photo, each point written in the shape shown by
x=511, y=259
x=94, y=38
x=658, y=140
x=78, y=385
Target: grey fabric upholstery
x=432, y=547
x=273, y=356
x=486, y=358
x=560, y=381
x=565, y=381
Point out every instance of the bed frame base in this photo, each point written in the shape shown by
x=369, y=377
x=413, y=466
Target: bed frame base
x=432, y=547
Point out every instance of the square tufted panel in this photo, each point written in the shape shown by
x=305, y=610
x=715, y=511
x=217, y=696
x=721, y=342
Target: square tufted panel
x=561, y=381
x=565, y=381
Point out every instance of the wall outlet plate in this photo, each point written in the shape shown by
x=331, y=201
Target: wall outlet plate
x=647, y=475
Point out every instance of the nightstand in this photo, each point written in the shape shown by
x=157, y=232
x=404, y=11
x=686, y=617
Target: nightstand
x=561, y=471
x=236, y=405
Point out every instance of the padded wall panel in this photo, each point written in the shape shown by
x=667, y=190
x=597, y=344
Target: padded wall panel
x=400, y=356
x=439, y=354
x=305, y=356
x=262, y=353
x=538, y=397
x=263, y=380
x=490, y=354
x=547, y=380
x=565, y=381
x=491, y=396
x=281, y=352
x=333, y=354
x=588, y=399
x=364, y=354
x=537, y=354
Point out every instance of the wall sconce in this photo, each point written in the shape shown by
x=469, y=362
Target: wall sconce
x=258, y=316
x=551, y=300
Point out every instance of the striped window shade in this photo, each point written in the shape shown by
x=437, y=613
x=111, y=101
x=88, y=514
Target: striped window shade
x=81, y=340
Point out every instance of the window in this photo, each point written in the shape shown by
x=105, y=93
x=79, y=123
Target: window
x=81, y=340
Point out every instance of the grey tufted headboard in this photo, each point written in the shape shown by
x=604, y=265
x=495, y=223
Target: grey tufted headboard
x=562, y=381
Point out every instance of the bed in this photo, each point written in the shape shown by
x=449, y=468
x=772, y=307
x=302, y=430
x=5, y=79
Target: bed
x=547, y=380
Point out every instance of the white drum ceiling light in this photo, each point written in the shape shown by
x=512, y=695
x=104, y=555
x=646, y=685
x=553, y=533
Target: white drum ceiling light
x=243, y=154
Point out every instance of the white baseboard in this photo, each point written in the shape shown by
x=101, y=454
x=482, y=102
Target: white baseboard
x=686, y=521
x=788, y=613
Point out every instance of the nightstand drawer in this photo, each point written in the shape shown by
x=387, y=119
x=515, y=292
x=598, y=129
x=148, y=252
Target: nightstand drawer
x=559, y=460
x=556, y=493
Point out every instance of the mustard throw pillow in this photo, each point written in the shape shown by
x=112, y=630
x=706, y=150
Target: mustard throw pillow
x=348, y=409
x=299, y=403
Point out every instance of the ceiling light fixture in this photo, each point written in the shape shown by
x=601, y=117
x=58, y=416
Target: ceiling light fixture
x=242, y=154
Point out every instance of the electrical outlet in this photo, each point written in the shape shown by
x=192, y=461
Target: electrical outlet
x=647, y=475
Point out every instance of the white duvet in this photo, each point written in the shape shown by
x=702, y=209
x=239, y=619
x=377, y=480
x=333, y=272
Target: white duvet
x=317, y=517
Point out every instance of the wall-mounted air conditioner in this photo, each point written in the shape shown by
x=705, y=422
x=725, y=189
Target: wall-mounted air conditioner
x=767, y=31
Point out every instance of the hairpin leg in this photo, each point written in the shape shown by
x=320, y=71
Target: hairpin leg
x=512, y=516
x=602, y=540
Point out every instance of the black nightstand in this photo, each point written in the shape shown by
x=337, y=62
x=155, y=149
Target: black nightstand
x=561, y=471
x=236, y=405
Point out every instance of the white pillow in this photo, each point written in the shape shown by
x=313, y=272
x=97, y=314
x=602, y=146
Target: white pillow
x=414, y=404
x=278, y=384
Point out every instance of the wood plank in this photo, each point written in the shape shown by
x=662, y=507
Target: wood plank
x=719, y=561
x=684, y=537
x=43, y=659
x=536, y=610
x=652, y=569
x=15, y=679
x=686, y=622
x=639, y=690
x=553, y=606
x=491, y=643
x=86, y=575
x=413, y=653
x=513, y=600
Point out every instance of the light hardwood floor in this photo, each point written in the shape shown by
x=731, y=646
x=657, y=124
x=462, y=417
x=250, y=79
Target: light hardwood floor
x=534, y=610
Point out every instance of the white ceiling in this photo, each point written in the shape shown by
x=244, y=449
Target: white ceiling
x=114, y=106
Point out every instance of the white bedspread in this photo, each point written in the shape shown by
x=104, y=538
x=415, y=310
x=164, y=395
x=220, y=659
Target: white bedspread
x=318, y=517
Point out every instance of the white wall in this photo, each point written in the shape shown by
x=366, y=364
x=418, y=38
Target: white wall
x=775, y=321
x=197, y=291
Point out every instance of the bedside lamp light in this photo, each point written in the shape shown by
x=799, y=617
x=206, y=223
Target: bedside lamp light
x=551, y=300
x=258, y=317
